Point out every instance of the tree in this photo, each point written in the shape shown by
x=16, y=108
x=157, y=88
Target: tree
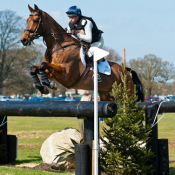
x=113, y=55
x=19, y=80
x=151, y=70
x=11, y=26
x=123, y=151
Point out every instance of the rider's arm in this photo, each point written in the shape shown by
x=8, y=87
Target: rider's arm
x=88, y=32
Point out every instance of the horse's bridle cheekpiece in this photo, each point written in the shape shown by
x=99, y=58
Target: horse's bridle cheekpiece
x=35, y=34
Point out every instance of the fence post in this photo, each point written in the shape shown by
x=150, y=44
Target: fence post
x=88, y=137
x=163, y=156
x=150, y=113
x=3, y=141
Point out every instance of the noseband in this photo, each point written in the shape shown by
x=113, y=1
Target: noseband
x=35, y=34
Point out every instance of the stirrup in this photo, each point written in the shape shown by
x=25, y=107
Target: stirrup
x=99, y=78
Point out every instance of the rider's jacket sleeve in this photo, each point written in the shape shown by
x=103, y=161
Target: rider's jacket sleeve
x=88, y=31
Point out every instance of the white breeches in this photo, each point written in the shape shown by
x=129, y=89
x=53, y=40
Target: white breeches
x=98, y=44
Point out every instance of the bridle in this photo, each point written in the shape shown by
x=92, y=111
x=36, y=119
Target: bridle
x=36, y=36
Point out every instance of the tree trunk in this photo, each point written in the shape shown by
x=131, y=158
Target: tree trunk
x=76, y=91
x=149, y=91
x=1, y=86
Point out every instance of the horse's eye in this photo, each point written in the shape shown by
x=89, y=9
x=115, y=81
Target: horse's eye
x=35, y=21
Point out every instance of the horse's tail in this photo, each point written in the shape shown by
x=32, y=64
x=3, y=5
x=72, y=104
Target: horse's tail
x=138, y=83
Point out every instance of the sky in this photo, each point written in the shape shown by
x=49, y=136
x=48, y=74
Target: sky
x=140, y=26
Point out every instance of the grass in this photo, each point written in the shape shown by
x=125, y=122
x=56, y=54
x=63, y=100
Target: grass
x=33, y=131
x=166, y=129
x=24, y=171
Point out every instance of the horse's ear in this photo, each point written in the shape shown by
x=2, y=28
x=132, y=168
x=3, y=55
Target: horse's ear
x=30, y=8
x=36, y=8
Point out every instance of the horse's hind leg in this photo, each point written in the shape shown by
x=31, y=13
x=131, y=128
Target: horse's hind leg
x=33, y=72
x=105, y=96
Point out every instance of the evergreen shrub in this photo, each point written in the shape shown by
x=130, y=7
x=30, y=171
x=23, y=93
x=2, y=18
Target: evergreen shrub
x=124, y=149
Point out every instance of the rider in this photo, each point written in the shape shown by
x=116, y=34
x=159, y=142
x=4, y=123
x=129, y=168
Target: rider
x=85, y=29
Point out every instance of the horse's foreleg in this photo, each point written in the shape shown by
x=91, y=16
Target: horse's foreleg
x=43, y=74
x=34, y=70
x=44, y=77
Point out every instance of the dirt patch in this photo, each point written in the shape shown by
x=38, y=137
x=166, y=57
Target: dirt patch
x=32, y=135
x=27, y=165
x=28, y=146
x=47, y=167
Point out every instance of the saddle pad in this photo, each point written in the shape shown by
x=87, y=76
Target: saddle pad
x=103, y=67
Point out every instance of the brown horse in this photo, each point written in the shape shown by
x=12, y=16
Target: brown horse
x=62, y=60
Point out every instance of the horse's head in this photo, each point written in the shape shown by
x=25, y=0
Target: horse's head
x=34, y=26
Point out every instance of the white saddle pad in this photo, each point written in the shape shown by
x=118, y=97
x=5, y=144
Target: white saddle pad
x=103, y=67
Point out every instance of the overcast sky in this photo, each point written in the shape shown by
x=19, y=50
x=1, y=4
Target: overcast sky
x=140, y=26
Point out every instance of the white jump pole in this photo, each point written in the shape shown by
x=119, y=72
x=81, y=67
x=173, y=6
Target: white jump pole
x=98, y=54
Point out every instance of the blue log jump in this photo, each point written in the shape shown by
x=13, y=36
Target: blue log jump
x=58, y=109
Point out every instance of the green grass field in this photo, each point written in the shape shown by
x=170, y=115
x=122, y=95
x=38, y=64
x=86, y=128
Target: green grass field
x=32, y=131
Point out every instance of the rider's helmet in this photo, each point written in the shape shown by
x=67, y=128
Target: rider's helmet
x=74, y=11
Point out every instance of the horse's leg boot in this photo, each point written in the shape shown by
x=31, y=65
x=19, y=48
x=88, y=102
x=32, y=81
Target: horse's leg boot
x=36, y=81
x=44, y=78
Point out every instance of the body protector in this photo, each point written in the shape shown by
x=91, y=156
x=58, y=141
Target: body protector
x=96, y=33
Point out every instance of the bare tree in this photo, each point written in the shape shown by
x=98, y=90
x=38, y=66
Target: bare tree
x=19, y=80
x=113, y=55
x=10, y=31
x=151, y=70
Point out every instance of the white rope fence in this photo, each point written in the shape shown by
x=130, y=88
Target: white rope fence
x=157, y=114
x=3, y=123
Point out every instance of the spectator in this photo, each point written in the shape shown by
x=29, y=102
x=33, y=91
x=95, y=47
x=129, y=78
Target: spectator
x=85, y=97
x=72, y=98
x=90, y=97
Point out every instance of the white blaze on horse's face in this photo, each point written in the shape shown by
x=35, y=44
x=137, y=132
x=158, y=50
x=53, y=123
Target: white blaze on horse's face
x=32, y=29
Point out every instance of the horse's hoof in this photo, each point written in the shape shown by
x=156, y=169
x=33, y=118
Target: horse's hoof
x=44, y=90
x=53, y=85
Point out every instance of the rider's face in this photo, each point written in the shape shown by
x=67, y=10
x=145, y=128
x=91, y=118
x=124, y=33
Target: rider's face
x=73, y=19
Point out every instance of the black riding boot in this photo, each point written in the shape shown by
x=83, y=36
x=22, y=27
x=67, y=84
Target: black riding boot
x=91, y=60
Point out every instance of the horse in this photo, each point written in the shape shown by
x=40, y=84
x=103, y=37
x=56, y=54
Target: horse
x=62, y=60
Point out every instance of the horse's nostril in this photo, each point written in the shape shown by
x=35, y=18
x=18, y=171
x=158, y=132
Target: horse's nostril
x=23, y=40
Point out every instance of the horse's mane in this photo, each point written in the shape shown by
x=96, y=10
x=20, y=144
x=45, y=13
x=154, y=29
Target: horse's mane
x=57, y=26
